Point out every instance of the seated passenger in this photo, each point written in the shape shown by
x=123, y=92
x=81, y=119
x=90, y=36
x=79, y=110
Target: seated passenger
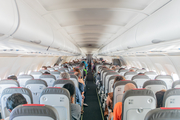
x=109, y=101
x=81, y=82
x=117, y=112
x=159, y=97
x=44, y=68
x=12, y=77
x=45, y=73
x=113, y=68
x=78, y=93
x=13, y=101
x=75, y=109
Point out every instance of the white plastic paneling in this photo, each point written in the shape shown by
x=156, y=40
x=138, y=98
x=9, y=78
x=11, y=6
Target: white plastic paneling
x=58, y=40
x=32, y=26
x=8, y=17
x=163, y=25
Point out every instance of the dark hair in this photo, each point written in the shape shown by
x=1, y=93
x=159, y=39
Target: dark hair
x=118, y=78
x=159, y=97
x=70, y=87
x=44, y=67
x=14, y=100
x=13, y=77
x=46, y=72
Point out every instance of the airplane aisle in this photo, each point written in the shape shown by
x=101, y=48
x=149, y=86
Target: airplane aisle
x=93, y=110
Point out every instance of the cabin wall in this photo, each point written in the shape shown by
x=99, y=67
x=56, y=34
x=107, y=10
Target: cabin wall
x=164, y=64
x=24, y=64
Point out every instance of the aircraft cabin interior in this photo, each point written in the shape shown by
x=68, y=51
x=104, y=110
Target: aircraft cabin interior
x=89, y=59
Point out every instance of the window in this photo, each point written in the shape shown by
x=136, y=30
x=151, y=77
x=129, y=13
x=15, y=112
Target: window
x=175, y=76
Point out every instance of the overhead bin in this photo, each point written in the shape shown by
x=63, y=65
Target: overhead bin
x=33, y=28
x=161, y=26
x=59, y=42
x=8, y=18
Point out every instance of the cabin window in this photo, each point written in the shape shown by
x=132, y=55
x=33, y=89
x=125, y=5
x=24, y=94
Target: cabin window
x=29, y=72
x=163, y=73
x=175, y=76
x=21, y=73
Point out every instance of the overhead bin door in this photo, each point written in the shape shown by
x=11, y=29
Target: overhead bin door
x=33, y=27
x=163, y=25
x=8, y=17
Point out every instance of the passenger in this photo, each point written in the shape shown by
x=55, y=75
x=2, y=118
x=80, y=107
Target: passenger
x=77, y=70
x=13, y=101
x=44, y=68
x=159, y=97
x=113, y=68
x=117, y=112
x=81, y=82
x=75, y=109
x=12, y=77
x=109, y=101
x=78, y=93
x=56, y=65
x=141, y=74
x=46, y=73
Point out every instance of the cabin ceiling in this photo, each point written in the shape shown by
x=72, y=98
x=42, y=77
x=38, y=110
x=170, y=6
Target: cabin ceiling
x=91, y=24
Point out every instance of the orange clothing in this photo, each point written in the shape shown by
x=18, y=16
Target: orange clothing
x=117, y=111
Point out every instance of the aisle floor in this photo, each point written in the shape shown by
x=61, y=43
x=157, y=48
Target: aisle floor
x=92, y=112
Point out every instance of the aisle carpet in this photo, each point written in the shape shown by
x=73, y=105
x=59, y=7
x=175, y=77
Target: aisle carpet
x=92, y=112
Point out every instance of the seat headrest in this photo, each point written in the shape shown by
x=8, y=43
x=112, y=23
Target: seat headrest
x=140, y=77
x=33, y=110
x=21, y=90
x=154, y=82
x=171, y=92
x=48, y=76
x=62, y=81
x=175, y=83
x=55, y=90
x=124, y=82
x=138, y=92
x=36, y=81
x=9, y=81
x=163, y=114
x=25, y=76
x=164, y=77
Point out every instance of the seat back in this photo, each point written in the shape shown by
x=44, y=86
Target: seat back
x=151, y=74
x=140, y=80
x=163, y=114
x=155, y=85
x=167, y=79
x=133, y=68
x=8, y=83
x=119, y=89
x=59, y=98
x=43, y=71
x=129, y=75
x=110, y=83
x=61, y=71
x=75, y=80
x=172, y=98
x=62, y=82
x=36, y=74
x=137, y=103
x=36, y=86
x=8, y=92
x=176, y=84
x=34, y=112
x=49, y=79
x=23, y=78
x=106, y=78
x=56, y=74
x=123, y=71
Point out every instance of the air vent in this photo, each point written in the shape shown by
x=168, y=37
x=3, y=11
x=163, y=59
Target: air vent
x=157, y=41
x=128, y=47
x=36, y=41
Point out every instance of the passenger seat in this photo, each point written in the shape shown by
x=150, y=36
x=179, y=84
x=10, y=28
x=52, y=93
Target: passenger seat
x=60, y=99
x=49, y=79
x=140, y=80
x=167, y=79
x=137, y=103
x=23, y=78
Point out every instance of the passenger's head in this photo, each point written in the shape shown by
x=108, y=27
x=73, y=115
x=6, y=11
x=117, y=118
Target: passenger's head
x=113, y=68
x=141, y=74
x=77, y=74
x=159, y=97
x=65, y=75
x=44, y=67
x=46, y=72
x=129, y=86
x=14, y=100
x=12, y=77
x=118, y=78
x=55, y=64
x=131, y=70
x=70, y=87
